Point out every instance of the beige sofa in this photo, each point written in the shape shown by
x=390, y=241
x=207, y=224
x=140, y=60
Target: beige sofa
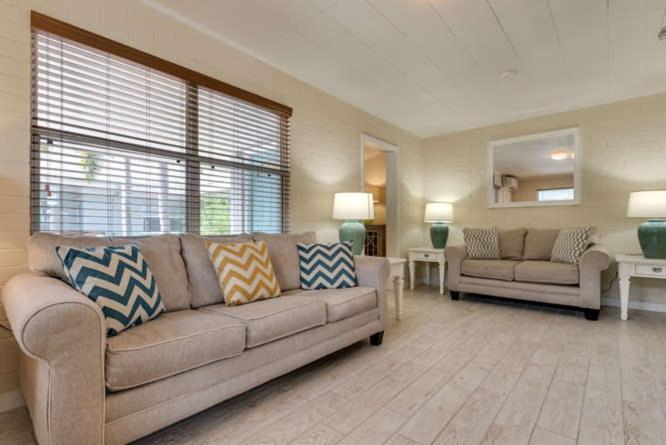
x=83, y=388
x=526, y=273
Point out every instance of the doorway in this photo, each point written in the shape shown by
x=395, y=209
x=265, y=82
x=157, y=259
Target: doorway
x=379, y=161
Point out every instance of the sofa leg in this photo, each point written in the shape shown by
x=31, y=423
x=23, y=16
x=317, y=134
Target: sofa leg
x=591, y=314
x=455, y=295
x=376, y=339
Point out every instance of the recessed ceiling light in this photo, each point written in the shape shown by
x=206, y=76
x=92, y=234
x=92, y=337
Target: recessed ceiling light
x=509, y=74
x=561, y=155
x=662, y=33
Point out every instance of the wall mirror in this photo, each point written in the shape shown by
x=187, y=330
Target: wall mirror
x=536, y=170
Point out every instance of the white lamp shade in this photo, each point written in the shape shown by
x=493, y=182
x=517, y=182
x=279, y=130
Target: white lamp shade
x=439, y=212
x=353, y=206
x=651, y=204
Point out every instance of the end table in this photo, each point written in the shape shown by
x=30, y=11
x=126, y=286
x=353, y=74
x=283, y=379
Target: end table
x=636, y=266
x=398, y=277
x=427, y=255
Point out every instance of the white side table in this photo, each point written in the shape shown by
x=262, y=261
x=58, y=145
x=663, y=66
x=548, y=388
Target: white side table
x=428, y=255
x=636, y=266
x=398, y=277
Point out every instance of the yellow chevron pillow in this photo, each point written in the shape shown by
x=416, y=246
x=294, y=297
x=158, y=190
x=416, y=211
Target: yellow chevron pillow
x=244, y=271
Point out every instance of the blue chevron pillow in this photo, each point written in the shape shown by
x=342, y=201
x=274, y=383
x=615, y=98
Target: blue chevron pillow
x=118, y=280
x=327, y=265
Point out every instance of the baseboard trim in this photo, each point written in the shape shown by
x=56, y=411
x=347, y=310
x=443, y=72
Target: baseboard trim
x=640, y=305
x=10, y=400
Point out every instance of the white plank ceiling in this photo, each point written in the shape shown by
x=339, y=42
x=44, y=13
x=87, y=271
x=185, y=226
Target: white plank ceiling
x=433, y=66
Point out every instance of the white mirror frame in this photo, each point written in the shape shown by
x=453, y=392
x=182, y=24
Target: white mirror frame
x=490, y=190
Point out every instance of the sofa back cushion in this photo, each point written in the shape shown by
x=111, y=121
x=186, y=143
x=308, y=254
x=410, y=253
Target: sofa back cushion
x=512, y=243
x=284, y=255
x=162, y=253
x=42, y=256
x=539, y=244
x=204, y=286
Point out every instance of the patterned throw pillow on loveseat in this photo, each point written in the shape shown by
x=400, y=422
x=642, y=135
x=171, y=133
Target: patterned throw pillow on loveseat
x=118, y=279
x=482, y=243
x=570, y=245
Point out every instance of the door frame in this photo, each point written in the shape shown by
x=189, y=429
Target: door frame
x=391, y=152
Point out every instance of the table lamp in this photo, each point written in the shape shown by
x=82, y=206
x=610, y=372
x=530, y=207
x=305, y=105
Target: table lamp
x=439, y=214
x=652, y=233
x=353, y=208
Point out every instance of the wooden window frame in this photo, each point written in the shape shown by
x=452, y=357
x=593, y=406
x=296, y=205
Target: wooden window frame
x=191, y=156
x=71, y=32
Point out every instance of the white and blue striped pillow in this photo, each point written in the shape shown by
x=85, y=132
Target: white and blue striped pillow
x=118, y=279
x=326, y=265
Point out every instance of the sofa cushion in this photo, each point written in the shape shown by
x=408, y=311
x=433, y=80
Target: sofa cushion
x=495, y=269
x=244, y=272
x=545, y=293
x=161, y=252
x=284, y=255
x=173, y=343
x=539, y=243
x=546, y=272
x=224, y=378
x=344, y=303
x=118, y=280
x=269, y=320
x=512, y=243
x=204, y=288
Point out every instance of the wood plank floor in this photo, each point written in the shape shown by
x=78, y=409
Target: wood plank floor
x=475, y=371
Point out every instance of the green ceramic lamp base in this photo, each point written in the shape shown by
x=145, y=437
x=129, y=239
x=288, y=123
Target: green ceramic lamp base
x=353, y=231
x=652, y=237
x=439, y=234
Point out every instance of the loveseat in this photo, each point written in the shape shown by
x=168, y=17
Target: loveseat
x=525, y=272
x=84, y=388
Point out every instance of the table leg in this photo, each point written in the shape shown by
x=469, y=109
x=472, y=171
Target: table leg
x=398, y=286
x=441, y=277
x=411, y=275
x=625, y=282
x=427, y=273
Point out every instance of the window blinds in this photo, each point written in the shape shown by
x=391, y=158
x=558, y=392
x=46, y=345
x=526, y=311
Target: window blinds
x=120, y=148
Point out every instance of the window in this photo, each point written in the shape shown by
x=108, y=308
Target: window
x=561, y=194
x=126, y=144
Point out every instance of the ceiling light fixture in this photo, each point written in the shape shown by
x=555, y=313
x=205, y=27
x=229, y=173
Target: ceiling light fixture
x=561, y=155
x=509, y=74
x=662, y=33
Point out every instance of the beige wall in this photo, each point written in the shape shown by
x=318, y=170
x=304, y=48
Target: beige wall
x=326, y=132
x=623, y=149
x=528, y=187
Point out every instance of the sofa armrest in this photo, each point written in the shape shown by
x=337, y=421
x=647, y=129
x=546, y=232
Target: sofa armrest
x=592, y=263
x=63, y=336
x=454, y=257
x=374, y=272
